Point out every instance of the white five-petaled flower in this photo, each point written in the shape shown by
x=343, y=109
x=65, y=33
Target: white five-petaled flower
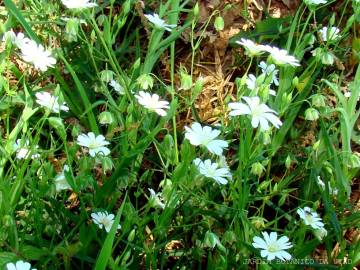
x=96, y=145
x=259, y=112
x=271, y=247
x=19, y=265
x=321, y=183
x=152, y=102
x=314, y=2
x=117, y=87
x=310, y=217
x=78, y=4
x=212, y=170
x=329, y=34
x=36, y=54
x=159, y=23
x=270, y=70
x=281, y=57
x=155, y=199
x=198, y=135
x=60, y=180
x=18, y=39
x=50, y=102
x=23, y=150
x=104, y=219
x=251, y=48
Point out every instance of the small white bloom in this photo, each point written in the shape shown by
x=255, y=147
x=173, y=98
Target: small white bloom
x=212, y=170
x=281, y=57
x=159, y=23
x=50, y=102
x=23, y=150
x=155, y=199
x=321, y=183
x=251, y=48
x=104, y=219
x=314, y=2
x=329, y=34
x=270, y=70
x=19, y=265
x=260, y=113
x=74, y=4
x=60, y=180
x=37, y=55
x=152, y=102
x=96, y=145
x=271, y=247
x=117, y=87
x=198, y=135
x=18, y=39
x=310, y=217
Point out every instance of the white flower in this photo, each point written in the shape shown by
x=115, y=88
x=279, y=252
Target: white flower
x=310, y=217
x=329, y=34
x=314, y=2
x=158, y=22
x=152, y=102
x=212, y=170
x=117, y=87
x=19, y=265
x=260, y=113
x=321, y=183
x=60, y=180
x=281, y=57
x=18, y=39
x=270, y=70
x=96, y=145
x=155, y=199
x=73, y=4
x=50, y=102
x=23, y=150
x=37, y=55
x=198, y=135
x=251, y=48
x=271, y=247
x=104, y=219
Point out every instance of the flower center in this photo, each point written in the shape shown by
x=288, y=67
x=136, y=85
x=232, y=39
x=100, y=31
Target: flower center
x=105, y=222
x=273, y=247
x=93, y=145
x=309, y=218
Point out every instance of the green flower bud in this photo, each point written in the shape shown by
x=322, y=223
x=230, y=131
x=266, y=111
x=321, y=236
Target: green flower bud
x=288, y=162
x=107, y=75
x=257, y=169
x=106, y=118
x=316, y=145
x=58, y=125
x=258, y=222
x=145, y=81
x=185, y=80
x=266, y=138
x=318, y=100
x=320, y=233
x=196, y=9
x=71, y=29
x=131, y=235
x=327, y=58
x=219, y=23
x=295, y=81
x=311, y=114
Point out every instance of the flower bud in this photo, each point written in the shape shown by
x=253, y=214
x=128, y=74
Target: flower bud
x=288, y=162
x=318, y=100
x=354, y=161
x=311, y=114
x=131, y=235
x=185, y=80
x=257, y=169
x=219, y=23
x=106, y=118
x=107, y=75
x=320, y=233
x=196, y=10
x=145, y=81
